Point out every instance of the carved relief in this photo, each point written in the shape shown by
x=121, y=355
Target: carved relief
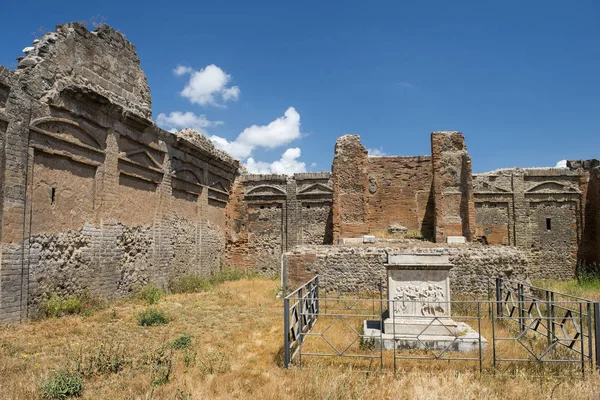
x=552, y=186
x=373, y=186
x=419, y=299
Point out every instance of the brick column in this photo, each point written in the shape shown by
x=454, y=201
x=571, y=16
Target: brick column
x=350, y=185
x=452, y=186
x=14, y=265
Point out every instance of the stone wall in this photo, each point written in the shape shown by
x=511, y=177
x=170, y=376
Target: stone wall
x=361, y=268
x=95, y=197
x=273, y=213
x=544, y=211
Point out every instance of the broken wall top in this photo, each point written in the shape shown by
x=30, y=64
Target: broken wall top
x=102, y=61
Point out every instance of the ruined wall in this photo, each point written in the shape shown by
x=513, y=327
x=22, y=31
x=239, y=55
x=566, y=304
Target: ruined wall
x=373, y=193
x=400, y=194
x=352, y=269
x=452, y=186
x=542, y=211
x=273, y=213
x=589, y=248
x=95, y=197
x=350, y=186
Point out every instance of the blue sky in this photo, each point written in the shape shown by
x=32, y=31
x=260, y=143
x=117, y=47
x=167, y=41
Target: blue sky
x=521, y=79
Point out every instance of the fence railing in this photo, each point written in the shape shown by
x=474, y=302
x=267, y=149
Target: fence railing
x=519, y=323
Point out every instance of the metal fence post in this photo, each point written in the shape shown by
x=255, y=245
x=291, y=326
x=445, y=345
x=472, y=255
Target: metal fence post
x=499, y=297
x=548, y=329
x=521, y=301
x=597, y=333
x=316, y=299
x=286, y=332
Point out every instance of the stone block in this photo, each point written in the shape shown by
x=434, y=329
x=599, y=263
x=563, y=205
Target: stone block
x=456, y=240
x=369, y=239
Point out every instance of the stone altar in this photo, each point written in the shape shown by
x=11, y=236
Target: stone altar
x=419, y=306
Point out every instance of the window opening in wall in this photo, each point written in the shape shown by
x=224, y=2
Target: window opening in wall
x=52, y=195
x=262, y=207
x=548, y=224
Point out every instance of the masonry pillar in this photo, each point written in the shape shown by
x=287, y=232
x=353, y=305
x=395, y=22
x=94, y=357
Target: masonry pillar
x=14, y=271
x=292, y=229
x=520, y=211
x=350, y=185
x=452, y=186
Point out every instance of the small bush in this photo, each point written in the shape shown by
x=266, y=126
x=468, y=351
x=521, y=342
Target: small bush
x=413, y=234
x=190, y=284
x=151, y=317
x=197, y=283
x=182, y=342
x=213, y=362
x=62, y=385
x=162, y=364
x=150, y=293
x=110, y=358
x=57, y=306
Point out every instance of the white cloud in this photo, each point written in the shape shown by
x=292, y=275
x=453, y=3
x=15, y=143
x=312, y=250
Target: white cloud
x=376, y=152
x=288, y=164
x=209, y=86
x=235, y=149
x=276, y=133
x=182, y=70
x=561, y=164
x=179, y=120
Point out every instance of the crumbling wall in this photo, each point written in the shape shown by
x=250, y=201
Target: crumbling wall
x=95, y=197
x=361, y=269
x=544, y=211
x=589, y=248
x=273, y=213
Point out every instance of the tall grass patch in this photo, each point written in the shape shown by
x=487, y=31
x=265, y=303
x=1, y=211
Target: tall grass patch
x=62, y=385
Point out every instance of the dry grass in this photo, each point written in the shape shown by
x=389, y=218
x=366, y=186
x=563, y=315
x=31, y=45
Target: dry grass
x=386, y=234
x=587, y=288
x=235, y=352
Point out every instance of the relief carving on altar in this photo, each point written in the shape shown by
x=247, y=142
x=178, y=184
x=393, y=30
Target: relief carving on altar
x=418, y=299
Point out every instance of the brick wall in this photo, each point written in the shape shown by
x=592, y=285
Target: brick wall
x=400, y=194
x=95, y=197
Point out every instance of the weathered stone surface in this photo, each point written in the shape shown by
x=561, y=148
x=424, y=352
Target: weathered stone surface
x=273, y=213
x=95, y=197
x=361, y=268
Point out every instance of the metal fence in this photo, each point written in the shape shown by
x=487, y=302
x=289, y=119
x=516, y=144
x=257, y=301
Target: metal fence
x=515, y=324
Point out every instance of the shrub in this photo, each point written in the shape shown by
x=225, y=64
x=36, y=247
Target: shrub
x=151, y=317
x=182, y=342
x=197, y=283
x=162, y=363
x=213, y=362
x=190, y=284
x=108, y=358
x=57, y=306
x=62, y=385
x=150, y=293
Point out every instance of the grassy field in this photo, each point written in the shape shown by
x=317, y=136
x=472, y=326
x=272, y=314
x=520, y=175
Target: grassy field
x=226, y=343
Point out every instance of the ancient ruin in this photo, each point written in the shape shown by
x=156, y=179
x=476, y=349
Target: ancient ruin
x=96, y=198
